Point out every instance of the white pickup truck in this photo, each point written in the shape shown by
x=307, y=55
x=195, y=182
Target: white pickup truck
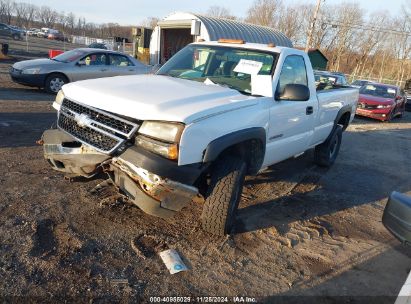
x=212, y=114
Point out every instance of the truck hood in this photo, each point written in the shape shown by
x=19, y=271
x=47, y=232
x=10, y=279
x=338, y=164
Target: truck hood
x=157, y=97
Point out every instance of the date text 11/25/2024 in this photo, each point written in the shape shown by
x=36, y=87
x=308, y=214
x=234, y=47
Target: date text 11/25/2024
x=237, y=299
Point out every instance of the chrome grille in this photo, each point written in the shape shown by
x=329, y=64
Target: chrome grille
x=115, y=123
x=101, y=130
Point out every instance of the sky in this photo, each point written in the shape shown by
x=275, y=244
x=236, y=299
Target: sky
x=133, y=12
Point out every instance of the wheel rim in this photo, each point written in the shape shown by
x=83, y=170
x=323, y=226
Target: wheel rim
x=56, y=84
x=333, y=147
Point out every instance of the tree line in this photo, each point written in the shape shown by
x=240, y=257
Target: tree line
x=372, y=45
x=26, y=15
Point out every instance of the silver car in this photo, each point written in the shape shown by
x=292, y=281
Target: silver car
x=79, y=64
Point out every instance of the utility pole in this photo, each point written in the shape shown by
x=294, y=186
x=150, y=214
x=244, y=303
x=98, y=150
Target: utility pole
x=312, y=25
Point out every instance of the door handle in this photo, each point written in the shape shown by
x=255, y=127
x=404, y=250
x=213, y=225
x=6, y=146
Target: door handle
x=103, y=70
x=309, y=110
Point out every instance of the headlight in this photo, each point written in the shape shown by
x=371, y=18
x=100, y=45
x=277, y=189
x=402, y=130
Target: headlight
x=169, y=151
x=59, y=100
x=384, y=106
x=166, y=131
x=31, y=71
x=160, y=137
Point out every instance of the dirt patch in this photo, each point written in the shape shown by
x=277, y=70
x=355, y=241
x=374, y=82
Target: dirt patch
x=44, y=242
x=146, y=246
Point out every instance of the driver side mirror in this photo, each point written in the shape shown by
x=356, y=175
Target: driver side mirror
x=81, y=62
x=295, y=92
x=397, y=216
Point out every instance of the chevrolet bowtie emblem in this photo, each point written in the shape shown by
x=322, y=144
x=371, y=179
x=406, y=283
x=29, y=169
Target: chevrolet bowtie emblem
x=83, y=120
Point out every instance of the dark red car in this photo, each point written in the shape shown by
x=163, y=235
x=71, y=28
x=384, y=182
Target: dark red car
x=381, y=101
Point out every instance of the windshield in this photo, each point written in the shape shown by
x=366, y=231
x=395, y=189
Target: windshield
x=70, y=56
x=378, y=90
x=325, y=78
x=360, y=82
x=226, y=66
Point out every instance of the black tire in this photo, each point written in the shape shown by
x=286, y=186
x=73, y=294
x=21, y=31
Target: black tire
x=223, y=195
x=54, y=82
x=16, y=37
x=390, y=116
x=326, y=153
x=401, y=114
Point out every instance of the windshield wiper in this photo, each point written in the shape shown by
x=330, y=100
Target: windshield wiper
x=226, y=85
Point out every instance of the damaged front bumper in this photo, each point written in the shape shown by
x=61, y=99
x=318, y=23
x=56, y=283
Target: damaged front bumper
x=65, y=154
x=155, y=195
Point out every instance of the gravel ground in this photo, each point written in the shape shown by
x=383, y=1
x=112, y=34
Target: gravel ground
x=303, y=234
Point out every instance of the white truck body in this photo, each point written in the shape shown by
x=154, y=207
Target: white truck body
x=210, y=112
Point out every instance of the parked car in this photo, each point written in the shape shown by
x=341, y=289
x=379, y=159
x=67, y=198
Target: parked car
x=98, y=45
x=55, y=35
x=397, y=216
x=9, y=32
x=33, y=32
x=407, y=90
x=22, y=31
x=78, y=64
x=359, y=83
x=381, y=101
x=329, y=78
x=44, y=32
x=408, y=103
x=184, y=135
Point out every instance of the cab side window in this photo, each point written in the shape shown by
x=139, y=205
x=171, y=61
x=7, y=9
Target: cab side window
x=293, y=72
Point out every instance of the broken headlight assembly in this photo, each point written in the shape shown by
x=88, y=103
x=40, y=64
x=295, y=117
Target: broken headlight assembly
x=161, y=138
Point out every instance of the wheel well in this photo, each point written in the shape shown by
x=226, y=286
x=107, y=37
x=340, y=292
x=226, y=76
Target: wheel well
x=344, y=120
x=56, y=73
x=252, y=151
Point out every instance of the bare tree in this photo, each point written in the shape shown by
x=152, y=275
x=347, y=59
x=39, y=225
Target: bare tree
x=6, y=10
x=216, y=11
x=31, y=13
x=71, y=22
x=150, y=22
x=293, y=22
x=47, y=16
x=264, y=12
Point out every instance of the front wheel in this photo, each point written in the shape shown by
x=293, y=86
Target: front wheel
x=54, y=82
x=224, y=193
x=326, y=153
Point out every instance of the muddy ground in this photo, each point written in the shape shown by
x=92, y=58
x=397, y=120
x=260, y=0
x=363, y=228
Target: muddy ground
x=303, y=234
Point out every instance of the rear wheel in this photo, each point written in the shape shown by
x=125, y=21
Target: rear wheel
x=223, y=195
x=54, y=82
x=16, y=37
x=326, y=153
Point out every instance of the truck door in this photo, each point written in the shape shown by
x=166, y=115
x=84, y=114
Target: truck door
x=291, y=123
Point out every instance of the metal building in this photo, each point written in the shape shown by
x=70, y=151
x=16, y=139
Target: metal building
x=179, y=29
